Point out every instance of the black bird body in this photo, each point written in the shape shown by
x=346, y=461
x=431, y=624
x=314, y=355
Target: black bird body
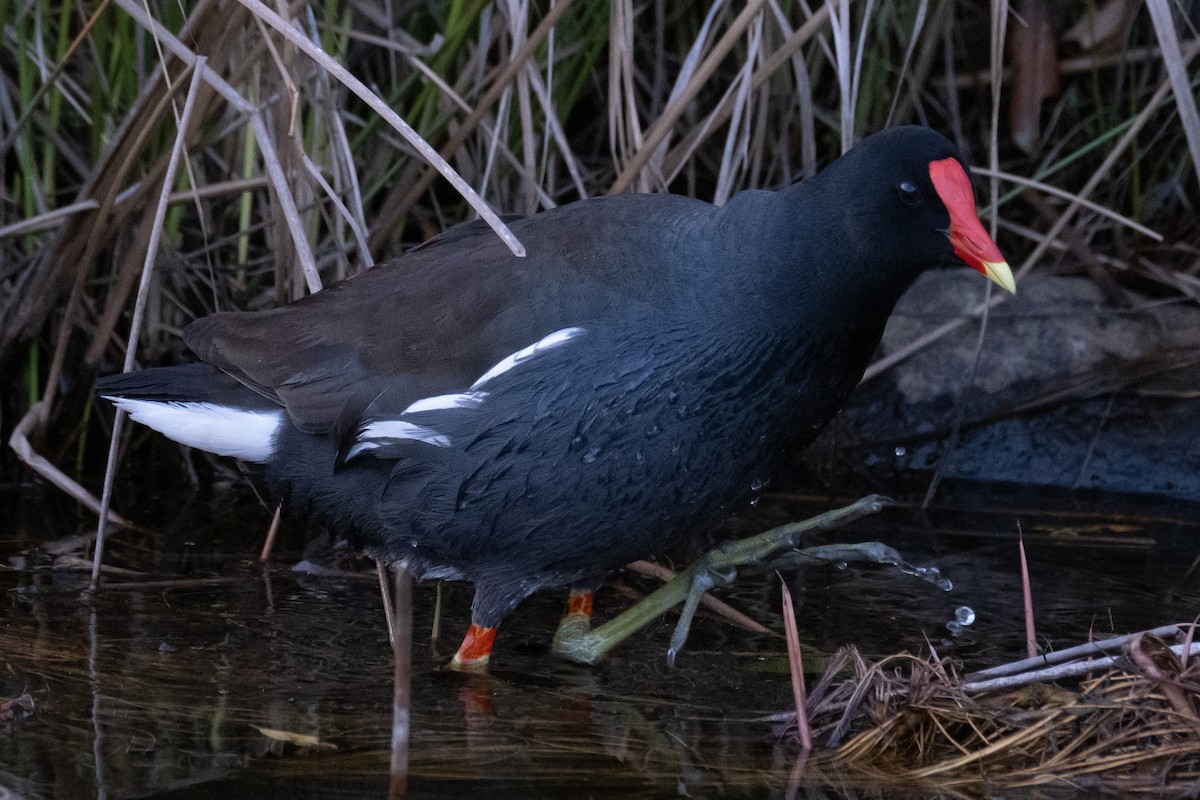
x=531, y=422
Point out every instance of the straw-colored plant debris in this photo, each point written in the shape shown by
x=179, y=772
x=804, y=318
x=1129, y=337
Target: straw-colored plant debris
x=1131, y=726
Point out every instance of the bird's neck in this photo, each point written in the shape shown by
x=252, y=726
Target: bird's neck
x=797, y=269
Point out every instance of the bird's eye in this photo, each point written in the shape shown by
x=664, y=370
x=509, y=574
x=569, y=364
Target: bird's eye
x=908, y=193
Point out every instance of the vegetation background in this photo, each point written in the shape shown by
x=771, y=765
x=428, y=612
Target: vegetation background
x=161, y=160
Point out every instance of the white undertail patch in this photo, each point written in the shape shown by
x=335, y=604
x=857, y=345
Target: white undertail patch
x=226, y=431
x=548, y=342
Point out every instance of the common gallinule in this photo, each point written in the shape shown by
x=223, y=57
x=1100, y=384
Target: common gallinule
x=534, y=422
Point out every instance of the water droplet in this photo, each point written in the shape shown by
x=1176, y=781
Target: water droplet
x=842, y=565
x=934, y=575
x=578, y=442
x=755, y=500
x=591, y=455
x=672, y=396
x=954, y=628
x=757, y=485
x=928, y=574
x=964, y=615
x=901, y=452
x=682, y=411
x=639, y=457
x=653, y=430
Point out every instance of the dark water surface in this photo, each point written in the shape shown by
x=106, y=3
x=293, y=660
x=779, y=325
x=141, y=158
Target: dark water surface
x=164, y=683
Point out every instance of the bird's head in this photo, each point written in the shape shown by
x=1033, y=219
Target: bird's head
x=913, y=192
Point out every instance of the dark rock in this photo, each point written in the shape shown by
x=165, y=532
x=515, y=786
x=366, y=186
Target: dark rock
x=1068, y=391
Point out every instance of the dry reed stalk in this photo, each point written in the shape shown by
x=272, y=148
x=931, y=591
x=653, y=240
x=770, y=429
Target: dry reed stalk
x=839, y=21
x=48, y=219
x=681, y=153
x=624, y=125
x=493, y=136
x=139, y=308
x=35, y=420
x=913, y=40
x=1172, y=56
x=397, y=206
x=1070, y=197
x=737, y=141
x=377, y=104
x=796, y=668
x=1031, y=648
x=666, y=120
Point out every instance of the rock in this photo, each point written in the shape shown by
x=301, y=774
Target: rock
x=1069, y=391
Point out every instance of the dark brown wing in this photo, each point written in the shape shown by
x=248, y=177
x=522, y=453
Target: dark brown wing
x=437, y=318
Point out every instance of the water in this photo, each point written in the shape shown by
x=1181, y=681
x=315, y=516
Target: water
x=162, y=684
x=963, y=617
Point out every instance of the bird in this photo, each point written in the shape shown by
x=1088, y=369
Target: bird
x=536, y=422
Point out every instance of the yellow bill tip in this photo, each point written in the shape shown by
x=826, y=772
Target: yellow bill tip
x=999, y=272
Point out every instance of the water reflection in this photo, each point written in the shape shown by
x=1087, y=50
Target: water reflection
x=165, y=683
x=162, y=690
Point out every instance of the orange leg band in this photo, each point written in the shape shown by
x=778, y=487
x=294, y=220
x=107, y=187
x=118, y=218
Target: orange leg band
x=579, y=604
x=476, y=646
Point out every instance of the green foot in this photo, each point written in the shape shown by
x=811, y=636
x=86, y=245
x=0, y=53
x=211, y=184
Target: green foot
x=718, y=567
x=571, y=637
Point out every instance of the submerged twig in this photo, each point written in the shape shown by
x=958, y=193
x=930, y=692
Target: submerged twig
x=1052, y=657
x=1068, y=669
x=713, y=604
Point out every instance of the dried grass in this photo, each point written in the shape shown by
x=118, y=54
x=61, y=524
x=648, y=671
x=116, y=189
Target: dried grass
x=913, y=722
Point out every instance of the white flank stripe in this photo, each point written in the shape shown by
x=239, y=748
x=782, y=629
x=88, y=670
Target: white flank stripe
x=549, y=342
x=361, y=447
x=248, y=435
x=389, y=431
x=444, y=401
